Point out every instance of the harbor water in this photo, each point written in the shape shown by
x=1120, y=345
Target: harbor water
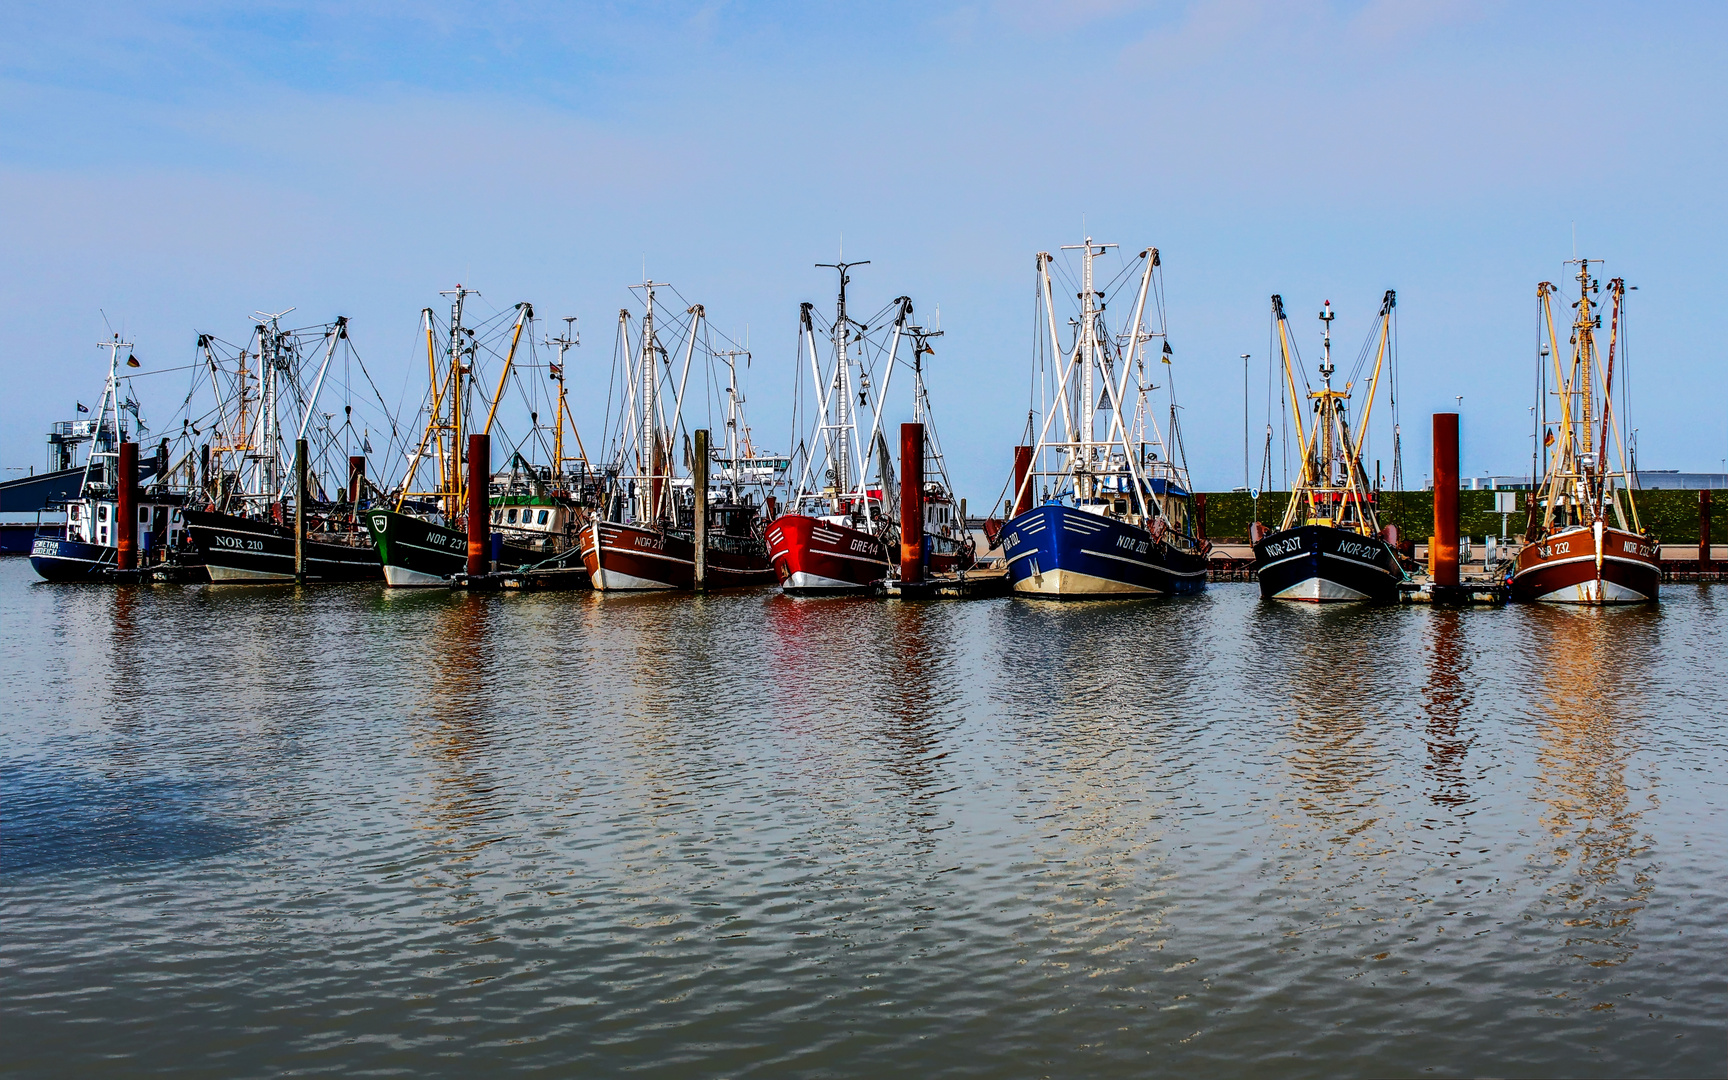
x=264, y=831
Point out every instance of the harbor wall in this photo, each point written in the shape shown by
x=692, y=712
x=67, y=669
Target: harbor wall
x=1672, y=515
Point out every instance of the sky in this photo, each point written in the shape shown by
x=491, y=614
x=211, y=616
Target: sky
x=174, y=167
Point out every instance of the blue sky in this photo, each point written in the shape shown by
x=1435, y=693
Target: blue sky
x=182, y=165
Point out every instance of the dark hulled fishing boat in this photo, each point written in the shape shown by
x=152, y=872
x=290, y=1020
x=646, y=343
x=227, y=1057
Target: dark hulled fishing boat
x=1583, y=541
x=253, y=550
x=1102, y=513
x=1329, y=546
x=646, y=539
x=244, y=530
x=86, y=548
x=420, y=535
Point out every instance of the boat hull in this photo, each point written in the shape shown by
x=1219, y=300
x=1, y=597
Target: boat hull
x=243, y=551
x=1322, y=564
x=58, y=559
x=417, y=553
x=1588, y=565
x=1057, y=551
x=813, y=556
x=629, y=558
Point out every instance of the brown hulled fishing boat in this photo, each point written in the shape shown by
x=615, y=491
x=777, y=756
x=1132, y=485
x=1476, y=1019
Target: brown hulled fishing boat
x=1584, y=543
x=644, y=538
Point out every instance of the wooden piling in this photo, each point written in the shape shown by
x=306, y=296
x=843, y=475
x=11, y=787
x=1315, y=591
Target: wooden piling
x=204, y=484
x=300, y=495
x=911, y=503
x=479, y=502
x=1443, y=558
x=126, y=507
x=1704, y=531
x=356, y=478
x=699, y=486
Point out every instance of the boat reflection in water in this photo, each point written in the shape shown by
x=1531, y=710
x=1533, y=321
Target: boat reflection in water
x=1335, y=732
x=455, y=731
x=1601, y=876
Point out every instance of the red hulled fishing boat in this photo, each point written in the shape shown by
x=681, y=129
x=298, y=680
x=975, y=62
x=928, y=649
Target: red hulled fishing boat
x=841, y=531
x=1584, y=543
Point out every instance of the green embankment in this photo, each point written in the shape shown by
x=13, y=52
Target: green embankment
x=1671, y=515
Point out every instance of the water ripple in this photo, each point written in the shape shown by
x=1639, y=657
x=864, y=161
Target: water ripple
x=249, y=832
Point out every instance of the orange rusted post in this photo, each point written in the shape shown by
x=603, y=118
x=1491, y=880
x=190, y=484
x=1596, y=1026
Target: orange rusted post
x=1444, y=557
x=911, y=503
x=126, y=507
x=1022, y=490
x=479, y=502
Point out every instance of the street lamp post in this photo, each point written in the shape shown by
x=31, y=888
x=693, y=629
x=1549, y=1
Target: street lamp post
x=1246, y=485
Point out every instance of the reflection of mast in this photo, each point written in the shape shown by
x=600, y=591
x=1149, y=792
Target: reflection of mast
x=462, y=732
x=1582, y=772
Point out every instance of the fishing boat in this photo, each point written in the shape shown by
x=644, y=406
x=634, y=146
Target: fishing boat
x=645, y=538
x=1584, y=543
x=841, y=529
x=1101, y=506
x=87, y=546
x=420, y=535
x=247, y=528
x=1330, y=546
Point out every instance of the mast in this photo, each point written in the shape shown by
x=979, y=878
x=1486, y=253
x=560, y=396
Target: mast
x=564, y=342
x=1332, y=488
x=648, y=441
x=455, y=480
x=1088, y=347
x=733, y=401
x=110, y=397
x=842, y=420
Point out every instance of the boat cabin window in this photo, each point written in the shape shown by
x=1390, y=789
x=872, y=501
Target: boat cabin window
x=102, y=512
x=143, y=513
x=72, y=511
x=542, y=517
x=511, y=516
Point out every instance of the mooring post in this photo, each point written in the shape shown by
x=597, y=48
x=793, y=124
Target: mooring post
x=699, y=485
x=479, y=502
x=204, y=473
x=1703, y=531
x=911, y=503
x=1444, y=555
x=1022, y=489
x=300, y=492
x=126, y=508
x=356, y=478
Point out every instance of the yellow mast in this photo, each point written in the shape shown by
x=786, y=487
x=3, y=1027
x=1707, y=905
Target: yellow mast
x=524, y=312
x=564, y=344
x=1346, y=498
x=444, y=433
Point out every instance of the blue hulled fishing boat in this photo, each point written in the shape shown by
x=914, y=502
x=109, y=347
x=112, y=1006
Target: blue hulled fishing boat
x=1102, y=506
x=147, y=516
